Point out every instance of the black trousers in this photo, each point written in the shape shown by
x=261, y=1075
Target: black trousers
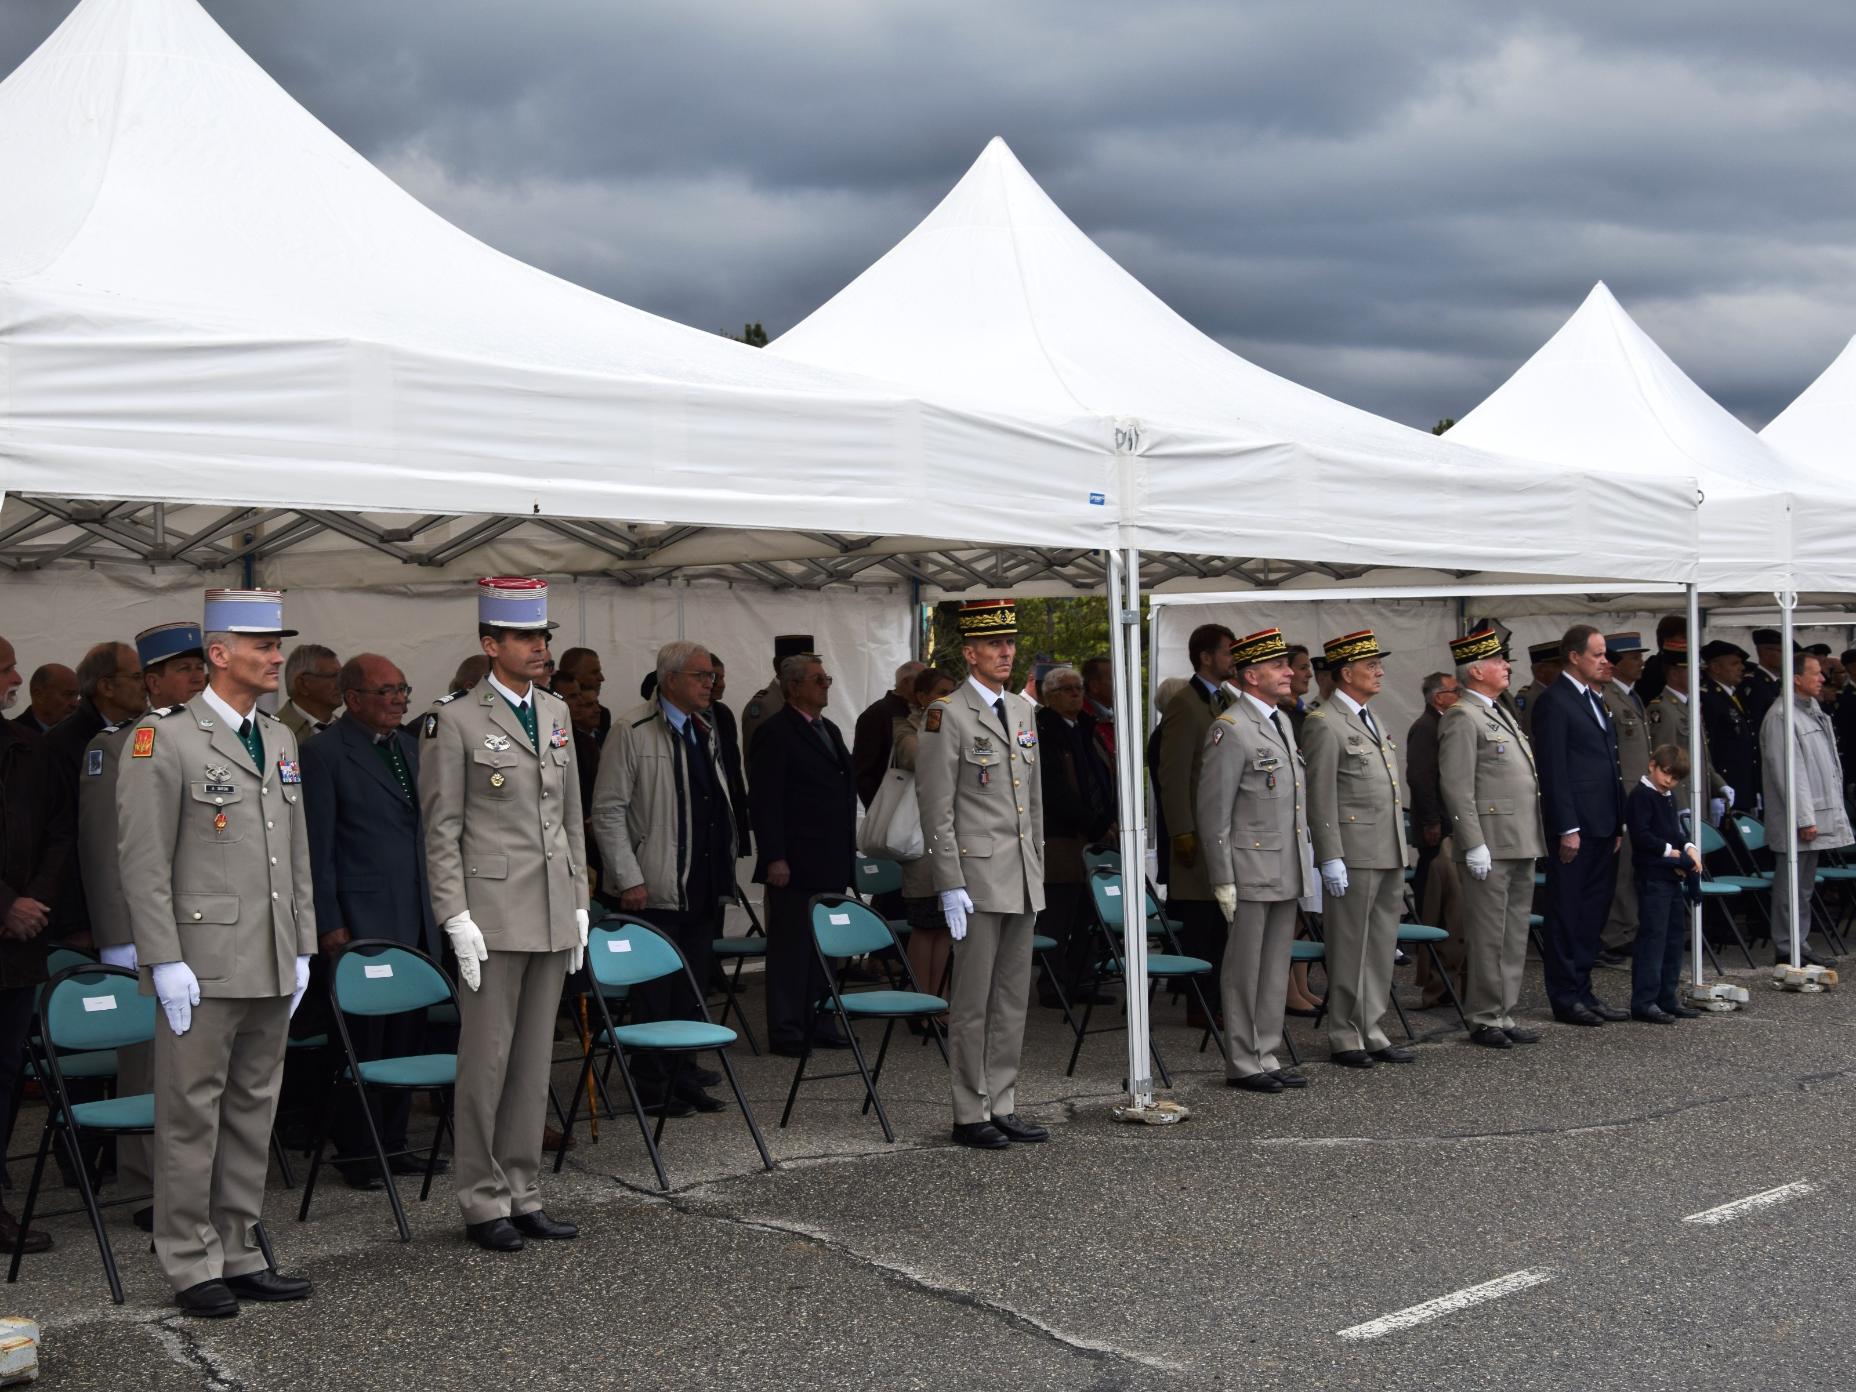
x=670, y=997
x=378, y=1037
x=795, y=980
x=16, y=1007
x=1065, y=917
x=1578, y=903
x=1662, y=938
x=1202, y=933
x=1419, y=876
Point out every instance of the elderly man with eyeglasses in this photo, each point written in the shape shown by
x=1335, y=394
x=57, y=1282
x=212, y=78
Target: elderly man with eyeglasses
x=367, y=865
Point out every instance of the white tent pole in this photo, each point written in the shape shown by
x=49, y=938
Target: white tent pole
x=1698, y=774
x=1788, y=601
x=1124, y=652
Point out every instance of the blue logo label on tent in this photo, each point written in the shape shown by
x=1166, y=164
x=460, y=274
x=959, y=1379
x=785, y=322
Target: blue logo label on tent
x=1097, y=499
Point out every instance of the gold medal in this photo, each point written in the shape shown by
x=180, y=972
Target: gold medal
x=496, y=780
x=219, y=822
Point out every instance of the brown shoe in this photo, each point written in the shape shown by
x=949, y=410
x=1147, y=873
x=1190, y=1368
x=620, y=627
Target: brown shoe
x=551, y=1139
x=37, y=1239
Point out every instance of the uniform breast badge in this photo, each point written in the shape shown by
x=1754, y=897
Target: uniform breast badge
x=497, y=780
x=558, y=739
x=496, y=744
x=288, y=772
x=219, y=822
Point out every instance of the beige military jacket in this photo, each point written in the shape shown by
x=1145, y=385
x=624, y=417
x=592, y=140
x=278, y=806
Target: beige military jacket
x=762, y=706
x=504, y=834
x=1524, y=706
x=1183, y=727
x=1490, y=785
x=982, y=801
x=1633, y=728
x=1667, y=720
x=1353, y=808
x=214, y=851
x=98, y=859
x=1252, y=809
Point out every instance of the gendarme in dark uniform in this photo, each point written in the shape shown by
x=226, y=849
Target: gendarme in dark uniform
x=1733, y=737
x=764, y=704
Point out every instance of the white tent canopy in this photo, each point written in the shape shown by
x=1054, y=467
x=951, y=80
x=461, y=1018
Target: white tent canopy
x=1816, y=434
x=1601, y=394
x=207, y=298
x=1007, y=300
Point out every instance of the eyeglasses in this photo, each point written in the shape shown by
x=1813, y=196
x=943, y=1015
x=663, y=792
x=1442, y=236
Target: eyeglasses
x=384, y=692
x=820, y=678
x=706, y=678
x=325, y=676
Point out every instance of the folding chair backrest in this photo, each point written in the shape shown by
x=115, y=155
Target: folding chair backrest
x=1108, y=859
x=1710, y=840
x=96, y=1007
x=876, y=876
x=846, y=928
x=1105, y=889
x=1752, y=833
x=624, y=952
x=62, y=959
x=387, y=980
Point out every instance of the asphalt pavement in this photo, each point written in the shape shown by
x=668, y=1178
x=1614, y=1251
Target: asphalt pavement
x=1474, y=1220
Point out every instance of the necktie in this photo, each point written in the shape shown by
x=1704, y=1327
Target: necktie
x=253, y=741
x=1371, y=727
x=998, y=709
x=525, y=712
x=1276, y=720
x=698, y=755
x=1598, y=708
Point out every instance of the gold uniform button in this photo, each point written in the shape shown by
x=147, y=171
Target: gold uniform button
x=196, y=915
x=273, y=860
x=219, y=802
x=273, y=894
x=546, y=825
x=270, y=826
x=550, y=855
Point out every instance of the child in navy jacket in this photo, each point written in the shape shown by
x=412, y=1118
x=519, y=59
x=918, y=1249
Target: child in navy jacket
x=1663, y=858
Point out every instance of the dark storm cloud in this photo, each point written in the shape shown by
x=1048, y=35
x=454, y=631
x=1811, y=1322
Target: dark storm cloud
x=1394, y=204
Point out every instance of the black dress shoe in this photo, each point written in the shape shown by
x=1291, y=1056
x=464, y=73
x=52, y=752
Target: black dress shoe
x=1606, y=1012
x=415, y=1165
x=1613, y=957
x=1806, y=957
x=144, y=1219
x=981, y=1135
x=1521, y=1036
x=496, y=1235
x=1653, y=1016
x=1352, y=1058
x=1289, y=1078
x=1024, y=1132
x=1491, y=1037
x=1577, y=1015
x=1255, y=1082
x=1681, y=1012
x=671, y=1106
x=364, y=1177
x=1395, y=1053
x=788, y=1048
x=697, y=1099
x=268, y=1285
x=538, y=1224
x=830, y=1039
x=706, y=1077
x=208, y=1300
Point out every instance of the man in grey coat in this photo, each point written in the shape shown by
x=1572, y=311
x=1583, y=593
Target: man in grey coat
x=1359, y=832
x=1253, y=833
x=976, y=778
x=1814, y=806
x=1491, y=796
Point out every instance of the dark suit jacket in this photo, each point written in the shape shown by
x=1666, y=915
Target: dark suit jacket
x=805, y=802
x=62, y=747
x=728, y=740
x=1580, y=785
x=1427, y=802
x=29, y=854
x=366, y=839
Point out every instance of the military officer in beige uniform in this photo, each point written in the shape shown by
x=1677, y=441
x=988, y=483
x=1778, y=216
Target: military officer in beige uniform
x=1624, y=651
x=1359, y=834
x=1253, y=833
x=1668, y=719
x=764, y=704
x=211, y=835
x=1546, y=663
x=983, y=824
x=1491, y=794
x=165, y=683
x=505, y=854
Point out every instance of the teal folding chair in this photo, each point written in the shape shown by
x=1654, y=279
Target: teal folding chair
x=1752, y=837
x=842, y=928
x=624, y=952
x=1425, y=938
x=1719, y=890
x=87, y=1009
x=752, y=944
x=375, y=976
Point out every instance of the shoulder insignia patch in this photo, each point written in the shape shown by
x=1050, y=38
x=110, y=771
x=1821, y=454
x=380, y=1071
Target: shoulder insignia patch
x=1520, y=702
x=449, y=697
x=144, y=747
x=429, y=730
x=752, y=712
x=93, y=762
x=931, y=718
x=1218, y=730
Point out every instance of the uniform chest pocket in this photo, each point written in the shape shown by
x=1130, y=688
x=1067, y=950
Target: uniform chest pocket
x=214, y=813
x=984, y=767
x=492, y=773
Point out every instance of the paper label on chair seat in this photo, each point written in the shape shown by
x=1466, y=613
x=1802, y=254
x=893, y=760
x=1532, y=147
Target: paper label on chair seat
x=99, y=1002
x=839, y=920
x=377, y=969
x=618, y=945
x=1112, y=891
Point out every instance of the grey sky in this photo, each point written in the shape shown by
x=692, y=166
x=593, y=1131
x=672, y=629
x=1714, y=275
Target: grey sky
x=1394, y=204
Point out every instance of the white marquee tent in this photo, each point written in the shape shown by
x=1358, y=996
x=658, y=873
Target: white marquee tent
x=1817, y=433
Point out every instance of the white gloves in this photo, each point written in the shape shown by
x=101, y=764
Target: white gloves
x=302, y=983
x=1717, y=809
x=955, y=906
x=178, y=990
x=1226, y=895
x=123, y=956
x=467, y=942
x=1480, y=862
x=578, y=960
x=1727, y=794
x=1334, y=877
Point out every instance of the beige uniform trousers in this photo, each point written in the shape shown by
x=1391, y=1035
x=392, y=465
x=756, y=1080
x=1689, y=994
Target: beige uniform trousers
x=505, y=1047
x=1255, y=985
x=986, y=1014
x=1495, y=914
x=1361, y=933
x=215, y=1098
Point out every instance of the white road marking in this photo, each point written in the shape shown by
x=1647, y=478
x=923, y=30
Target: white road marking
x=1451, y=1303
x=1753, y=1203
